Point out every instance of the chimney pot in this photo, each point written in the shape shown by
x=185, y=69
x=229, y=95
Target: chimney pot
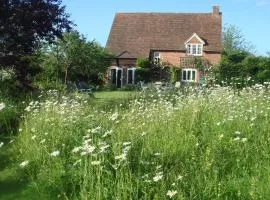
x=216, y=10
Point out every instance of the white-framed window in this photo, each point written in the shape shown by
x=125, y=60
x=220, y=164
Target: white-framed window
x=189, y=75
x=131, y=75
x=194, y=49
x=156, y=57
x=116, y=76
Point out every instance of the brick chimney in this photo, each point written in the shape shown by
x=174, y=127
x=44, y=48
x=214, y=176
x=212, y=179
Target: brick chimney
x=216, y=10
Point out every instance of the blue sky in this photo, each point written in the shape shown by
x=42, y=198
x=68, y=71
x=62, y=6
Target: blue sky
x=94, y=17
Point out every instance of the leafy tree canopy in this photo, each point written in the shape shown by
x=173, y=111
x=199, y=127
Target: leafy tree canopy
x=233, y=40
x=74, y=58
x=23, y=24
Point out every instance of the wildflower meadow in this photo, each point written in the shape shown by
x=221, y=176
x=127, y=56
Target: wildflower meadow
x=190, y=143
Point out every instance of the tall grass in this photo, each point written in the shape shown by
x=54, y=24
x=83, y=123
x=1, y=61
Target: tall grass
x=8, y=116
x=207, y=144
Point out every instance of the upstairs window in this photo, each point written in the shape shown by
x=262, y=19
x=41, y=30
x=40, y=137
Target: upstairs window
x=194, y=45
x=194, y=49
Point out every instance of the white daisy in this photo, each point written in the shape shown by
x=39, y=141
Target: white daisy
x=171, y=193
x=24, y=164
x=55, y=153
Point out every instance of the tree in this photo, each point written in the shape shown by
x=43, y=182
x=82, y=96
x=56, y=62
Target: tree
x=238, y=59
x=234, y=40
x=73, y=58
x=23, y=24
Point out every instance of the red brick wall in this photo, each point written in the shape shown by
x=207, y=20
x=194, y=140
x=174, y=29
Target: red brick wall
x=214, y=58
x=174, y=57
x=171, y=57
x=125, y=62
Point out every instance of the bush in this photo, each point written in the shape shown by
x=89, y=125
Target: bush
x=9, y=85
x=143, y=74
x=242, y=65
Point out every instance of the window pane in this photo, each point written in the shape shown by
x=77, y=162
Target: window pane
x=189, y=75
x=130, y=74
x=184, y=75
x=113, y=76
x=194, y=49
x=193, y=75
x=199, y=49
x=188, y=49
x=156, y=57
x=119, y=78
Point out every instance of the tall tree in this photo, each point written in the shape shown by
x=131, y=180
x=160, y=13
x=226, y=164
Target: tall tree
x=233, y=40
x=23, y=24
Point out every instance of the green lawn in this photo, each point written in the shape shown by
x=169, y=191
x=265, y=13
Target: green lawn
x=10, y=186
x=114, y=95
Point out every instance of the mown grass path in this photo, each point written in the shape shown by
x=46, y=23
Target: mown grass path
x=10, y=186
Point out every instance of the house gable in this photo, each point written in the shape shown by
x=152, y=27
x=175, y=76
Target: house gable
x=194, y=39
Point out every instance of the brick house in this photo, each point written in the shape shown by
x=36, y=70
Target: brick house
x=175, y=38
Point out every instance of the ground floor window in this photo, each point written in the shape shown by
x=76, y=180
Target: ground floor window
x=189, y=75
x=116, y=75
x=131, y=75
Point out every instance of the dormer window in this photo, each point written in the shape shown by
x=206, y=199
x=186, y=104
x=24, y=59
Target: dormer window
x=194, y=49
x=194, y=45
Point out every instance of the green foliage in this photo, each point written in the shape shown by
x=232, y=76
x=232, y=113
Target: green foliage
x=148, y=71
x=143, y=70
x=175, y=74
x=240, y=64
x=234, y=40
x=23, y=25
x=8, y=82
x=73, y=58
x=231, y=65
x=143, y=74
x=237, y=60
x=143, y=63
x=9, y=117
x=258, y=68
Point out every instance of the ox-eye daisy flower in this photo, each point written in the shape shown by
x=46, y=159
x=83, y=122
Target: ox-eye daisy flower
x=171, y=193
x=24, y=164
x=55, y=153
x=2, y=106
x=95, y=162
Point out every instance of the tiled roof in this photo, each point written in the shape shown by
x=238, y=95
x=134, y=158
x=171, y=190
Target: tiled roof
x=138, y=33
